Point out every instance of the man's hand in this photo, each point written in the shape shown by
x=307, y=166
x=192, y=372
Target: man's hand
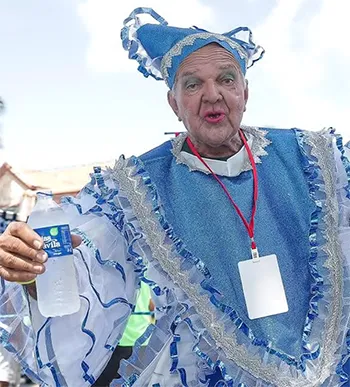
x=22, y=256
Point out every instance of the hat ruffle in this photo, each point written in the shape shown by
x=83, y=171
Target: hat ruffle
x=159, y=49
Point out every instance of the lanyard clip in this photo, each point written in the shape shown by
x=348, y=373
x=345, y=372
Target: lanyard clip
x=255, y=254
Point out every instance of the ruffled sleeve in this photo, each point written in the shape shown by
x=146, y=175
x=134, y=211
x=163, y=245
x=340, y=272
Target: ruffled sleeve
x=73, y=350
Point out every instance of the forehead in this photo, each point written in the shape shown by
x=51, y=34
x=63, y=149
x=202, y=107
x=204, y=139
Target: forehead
x=211, y=57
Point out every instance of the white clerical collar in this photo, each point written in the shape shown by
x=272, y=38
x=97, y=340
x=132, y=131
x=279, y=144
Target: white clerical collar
x=233, y=166
x=230, y=167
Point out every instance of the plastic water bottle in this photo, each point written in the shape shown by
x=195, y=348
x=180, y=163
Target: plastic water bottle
x=57, y=288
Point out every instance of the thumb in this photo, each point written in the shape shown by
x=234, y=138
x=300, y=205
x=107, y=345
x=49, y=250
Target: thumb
x=76, y=240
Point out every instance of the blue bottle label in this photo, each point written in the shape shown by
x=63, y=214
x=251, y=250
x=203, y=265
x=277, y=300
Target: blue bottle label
x=57, y=240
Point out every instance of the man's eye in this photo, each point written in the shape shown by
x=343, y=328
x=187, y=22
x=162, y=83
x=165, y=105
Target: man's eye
x=191, y=86
x=227, y=81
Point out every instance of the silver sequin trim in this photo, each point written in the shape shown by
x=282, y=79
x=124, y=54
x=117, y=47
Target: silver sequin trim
x=131, y=184
x=322, y=149
x=189, y=41
x=259, y=143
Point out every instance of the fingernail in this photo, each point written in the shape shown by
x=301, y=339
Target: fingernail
x=38, y=244
x=38, y=268
x=42, y=257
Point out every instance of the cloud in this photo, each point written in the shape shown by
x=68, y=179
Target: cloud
x=104, y=19
x=304, y=72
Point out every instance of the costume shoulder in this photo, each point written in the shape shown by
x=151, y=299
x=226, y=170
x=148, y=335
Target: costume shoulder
x=284, y=138
x=275, y=133
x=160, y=152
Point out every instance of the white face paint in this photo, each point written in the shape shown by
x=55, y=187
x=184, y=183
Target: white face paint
x=210, y=97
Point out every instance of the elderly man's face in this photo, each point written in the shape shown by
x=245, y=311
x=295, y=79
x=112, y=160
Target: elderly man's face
x=210, y=96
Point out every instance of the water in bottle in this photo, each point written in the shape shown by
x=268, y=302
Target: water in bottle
x=57, y=288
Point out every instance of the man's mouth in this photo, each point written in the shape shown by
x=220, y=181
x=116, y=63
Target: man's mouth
x=214, y=118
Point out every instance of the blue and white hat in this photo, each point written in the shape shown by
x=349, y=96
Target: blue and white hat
x=160, y=49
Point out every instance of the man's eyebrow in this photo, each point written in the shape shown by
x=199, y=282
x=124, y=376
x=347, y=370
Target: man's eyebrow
x=228, y=67
x=188, y=73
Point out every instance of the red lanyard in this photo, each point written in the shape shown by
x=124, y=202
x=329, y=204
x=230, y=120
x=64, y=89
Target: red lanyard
x=249, y=226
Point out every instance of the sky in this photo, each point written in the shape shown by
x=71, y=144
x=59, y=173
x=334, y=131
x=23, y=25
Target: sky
x=72, y=96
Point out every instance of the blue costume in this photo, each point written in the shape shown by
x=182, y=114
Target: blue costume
x=162, y=220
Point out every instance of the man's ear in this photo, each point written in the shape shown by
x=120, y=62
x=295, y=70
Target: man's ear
x=246, y=94
x=172, y=102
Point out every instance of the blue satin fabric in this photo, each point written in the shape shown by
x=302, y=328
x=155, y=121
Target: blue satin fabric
x=201, y=215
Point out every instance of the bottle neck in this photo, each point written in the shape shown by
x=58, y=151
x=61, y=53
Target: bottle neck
x=44, y=201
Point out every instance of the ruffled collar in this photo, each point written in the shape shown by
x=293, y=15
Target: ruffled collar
x=233, y=166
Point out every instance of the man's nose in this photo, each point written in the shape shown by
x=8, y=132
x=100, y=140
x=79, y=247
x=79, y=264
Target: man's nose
x=211, y=92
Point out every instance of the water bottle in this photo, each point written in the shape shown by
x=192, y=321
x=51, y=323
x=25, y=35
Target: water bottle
x=57, y=288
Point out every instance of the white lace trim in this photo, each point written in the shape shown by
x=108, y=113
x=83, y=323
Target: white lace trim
x=256, y=139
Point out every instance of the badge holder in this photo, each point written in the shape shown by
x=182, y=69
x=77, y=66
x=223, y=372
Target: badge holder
x=262, y=286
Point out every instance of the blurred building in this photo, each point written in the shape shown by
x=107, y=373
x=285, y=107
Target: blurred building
x=18, y=188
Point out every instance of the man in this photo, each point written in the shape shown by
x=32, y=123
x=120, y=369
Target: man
x=241, y=234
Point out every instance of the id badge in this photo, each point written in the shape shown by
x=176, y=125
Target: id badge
x=262, y=287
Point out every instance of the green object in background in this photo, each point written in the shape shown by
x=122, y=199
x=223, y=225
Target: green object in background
x=139, y=320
